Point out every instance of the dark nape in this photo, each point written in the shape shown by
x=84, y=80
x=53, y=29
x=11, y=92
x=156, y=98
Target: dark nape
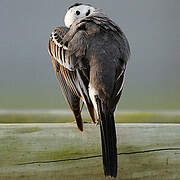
x=78, y=4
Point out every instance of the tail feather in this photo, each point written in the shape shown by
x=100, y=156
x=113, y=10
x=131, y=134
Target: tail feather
x=108, y=139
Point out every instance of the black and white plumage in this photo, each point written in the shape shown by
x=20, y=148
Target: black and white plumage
x=90, y=57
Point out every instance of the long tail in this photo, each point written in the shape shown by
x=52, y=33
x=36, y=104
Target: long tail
x=108, y=140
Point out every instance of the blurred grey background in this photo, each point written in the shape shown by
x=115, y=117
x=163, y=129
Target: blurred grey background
x=27, y=79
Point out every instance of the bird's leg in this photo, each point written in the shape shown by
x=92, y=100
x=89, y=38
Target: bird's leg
x=98, y=122
x=99, y=110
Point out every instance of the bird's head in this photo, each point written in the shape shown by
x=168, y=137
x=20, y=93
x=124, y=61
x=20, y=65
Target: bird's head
x=77, y=11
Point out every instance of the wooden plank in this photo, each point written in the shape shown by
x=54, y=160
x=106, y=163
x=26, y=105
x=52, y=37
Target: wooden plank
x=27, y=143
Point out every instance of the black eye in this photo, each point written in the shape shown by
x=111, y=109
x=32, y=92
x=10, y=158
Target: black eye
x=88, y=12
x=78, y=12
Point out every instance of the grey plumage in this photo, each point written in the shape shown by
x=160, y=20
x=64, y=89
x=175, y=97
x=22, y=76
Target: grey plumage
x=96, y=54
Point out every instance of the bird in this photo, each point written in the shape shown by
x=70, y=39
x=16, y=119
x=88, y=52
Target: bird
x=89, y=56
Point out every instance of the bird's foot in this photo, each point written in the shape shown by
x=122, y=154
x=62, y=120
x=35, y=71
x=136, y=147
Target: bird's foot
x=98, y=122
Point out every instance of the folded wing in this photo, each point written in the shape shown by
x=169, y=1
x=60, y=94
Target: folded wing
x=72, y=72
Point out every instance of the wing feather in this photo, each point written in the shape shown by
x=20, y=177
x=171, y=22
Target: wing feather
x=73, y=82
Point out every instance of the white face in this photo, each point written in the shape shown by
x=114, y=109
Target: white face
x=77, y=12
